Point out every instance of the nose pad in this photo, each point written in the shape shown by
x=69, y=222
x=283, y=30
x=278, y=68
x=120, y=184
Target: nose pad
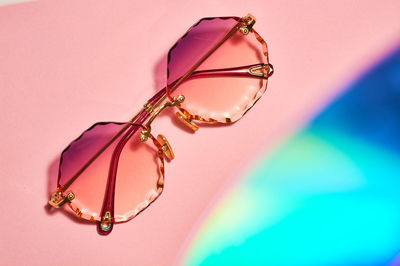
x=166, y=147
x=187, y=122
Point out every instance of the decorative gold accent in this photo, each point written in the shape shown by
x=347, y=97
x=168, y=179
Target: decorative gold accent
x=58, y=199
x=187, y=122
x=106, y=221
x=148, y=108
x=166, y=148
x=228, y=120
x=176, y=101
x=262, y=70
x=249, y=21
x=244, y=30
x=78, y=212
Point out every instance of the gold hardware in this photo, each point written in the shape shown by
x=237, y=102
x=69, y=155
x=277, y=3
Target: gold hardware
x=244, y=30
x=58, y=199
x=148, y=108
x=106, y=222
x=144, y=136
x=166, y=148
x=187, y=122
x=261, y=70
x=176, y=102
x=78, y=212
x=249, y=21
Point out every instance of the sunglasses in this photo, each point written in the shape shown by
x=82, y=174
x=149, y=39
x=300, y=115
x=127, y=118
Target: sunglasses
x=215, y=73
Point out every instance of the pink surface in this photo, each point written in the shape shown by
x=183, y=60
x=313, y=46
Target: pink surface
x=67, y=64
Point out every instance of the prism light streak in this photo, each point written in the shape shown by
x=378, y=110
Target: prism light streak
x=328, y=196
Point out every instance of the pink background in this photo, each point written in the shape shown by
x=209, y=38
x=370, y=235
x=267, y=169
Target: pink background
x=65, y=65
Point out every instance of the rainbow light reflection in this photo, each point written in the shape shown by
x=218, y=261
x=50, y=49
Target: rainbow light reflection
x=329, y=196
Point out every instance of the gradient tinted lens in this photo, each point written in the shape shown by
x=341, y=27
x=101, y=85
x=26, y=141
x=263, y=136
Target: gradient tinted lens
x=220, y=98
x=138, y=175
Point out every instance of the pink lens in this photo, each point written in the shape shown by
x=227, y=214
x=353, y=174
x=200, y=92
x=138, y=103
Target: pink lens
x=223, y=98
x=84, y=171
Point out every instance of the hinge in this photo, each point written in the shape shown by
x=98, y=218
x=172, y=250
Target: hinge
x=58, y=199
x=249, y=22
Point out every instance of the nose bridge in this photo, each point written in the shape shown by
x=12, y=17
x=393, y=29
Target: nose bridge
x=175, y=102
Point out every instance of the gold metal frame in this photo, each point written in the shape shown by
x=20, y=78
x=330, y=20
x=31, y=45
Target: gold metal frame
x=58, y=199
x=176, y=102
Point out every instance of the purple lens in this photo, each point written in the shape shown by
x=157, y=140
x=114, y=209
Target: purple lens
x=197, y=41
x=224, y=84
x=86, y=166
